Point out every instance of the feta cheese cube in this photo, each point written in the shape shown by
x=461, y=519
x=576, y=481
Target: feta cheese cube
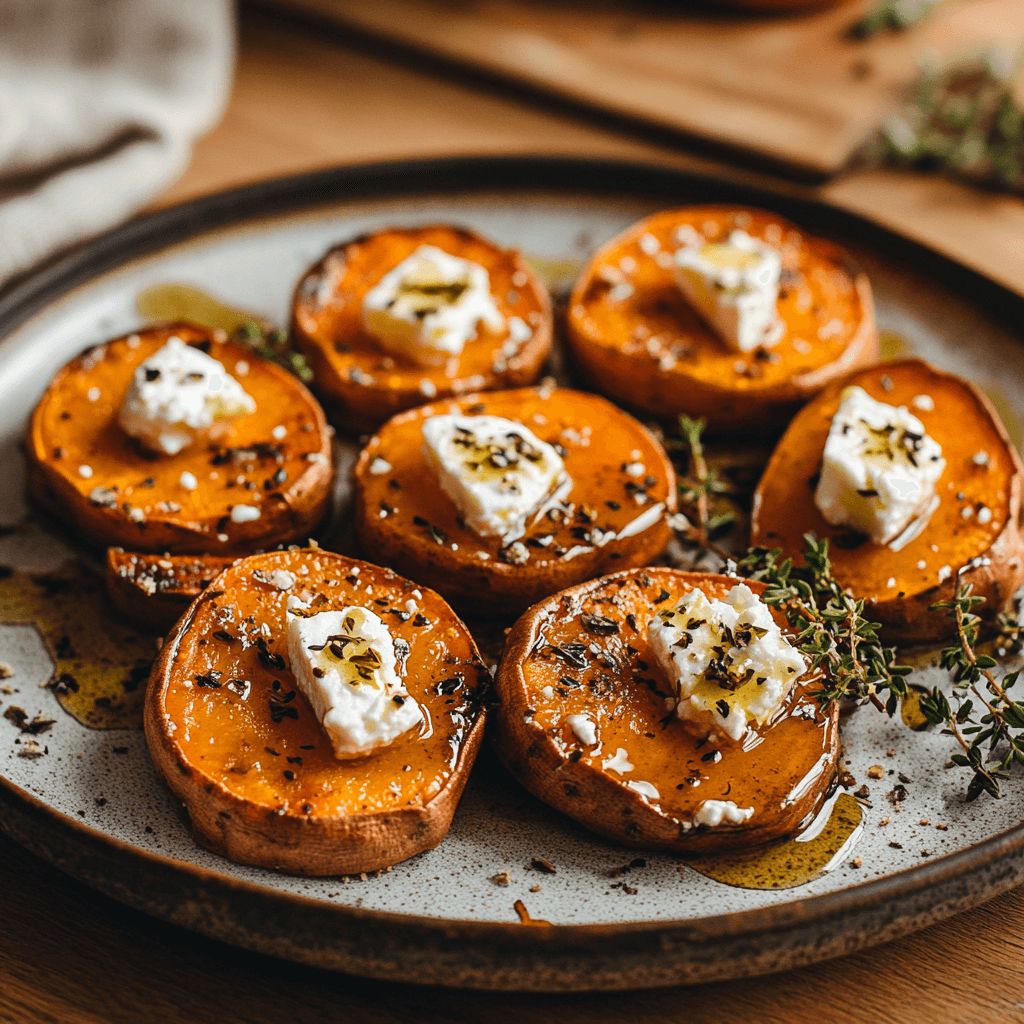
x=734, y=285
x=727, y=660
x=429, y=306
x=344, y=662
x=497, y=472
x=713, y=813
x=879, y=470
x=180, y=395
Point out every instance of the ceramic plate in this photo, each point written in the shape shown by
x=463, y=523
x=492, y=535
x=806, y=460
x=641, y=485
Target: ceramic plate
x=82, y=792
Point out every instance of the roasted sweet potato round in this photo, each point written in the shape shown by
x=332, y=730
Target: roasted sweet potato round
x=585, y=652
x=241, y=747
x=84, y=468
x=361, y=384
x=153, y=591
x=639, y=341
x=979, y=514
x=615, y=515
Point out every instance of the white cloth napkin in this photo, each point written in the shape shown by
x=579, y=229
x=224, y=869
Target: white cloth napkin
x=100, y=103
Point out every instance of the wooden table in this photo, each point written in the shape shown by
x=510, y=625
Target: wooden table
x=68, y=954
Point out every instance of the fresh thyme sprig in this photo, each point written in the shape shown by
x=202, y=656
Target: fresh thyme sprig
x=991, y=736
x=273, y=345
x=893, y=16
x=962, y=118
x=695, y=489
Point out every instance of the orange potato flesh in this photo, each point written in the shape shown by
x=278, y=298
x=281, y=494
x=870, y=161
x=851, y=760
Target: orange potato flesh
x=651, y=350
x=69, y=431
x=360, y=383
x=599, y=441
x=964, y=423
x=252, y=763
x=783, y=771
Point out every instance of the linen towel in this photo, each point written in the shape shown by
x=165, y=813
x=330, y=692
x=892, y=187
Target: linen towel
x=100, y=104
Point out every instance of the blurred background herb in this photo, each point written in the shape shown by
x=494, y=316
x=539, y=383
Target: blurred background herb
x=893, y=16
x=273, y=344
x=963, y=118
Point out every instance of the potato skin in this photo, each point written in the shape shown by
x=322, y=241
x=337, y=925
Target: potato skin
x=786, y=776
x=964, y=422
x=607, y=338
x=488, y=585
x=67, y=430
x=235, y=817
x=351, y=377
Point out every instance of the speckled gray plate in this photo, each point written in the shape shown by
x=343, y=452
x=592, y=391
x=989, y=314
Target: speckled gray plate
x=92, y=804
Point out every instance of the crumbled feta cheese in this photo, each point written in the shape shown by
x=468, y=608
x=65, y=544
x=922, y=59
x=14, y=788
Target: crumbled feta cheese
x=93, y=394
x=427, y=388
x=734, y=285
x=85, y=472
x=643, y=788
x=344, y=662
x=922, y=564
x=945, y=572
x=984, y=515
x=188, y=481
x=179, y=395
x=891, y=582
x=649, y=244
x=242, y=368
x=279, y=433
x=518, y=332
x=244, y=513
x=879, y=470
x=713, y=813
x=923, y=402
x=380, y=466
x=619, y=763
x=429, y=306
x=981, y=458
x=583, y=728
x=137, y=515
x=496, y=471
x=728, y=660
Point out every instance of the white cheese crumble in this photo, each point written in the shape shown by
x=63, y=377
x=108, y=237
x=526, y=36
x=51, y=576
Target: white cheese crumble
x=497, y=472
x=713, y=813
x=643, y=788
x=93, y=394
x=344, y=662
x=85, y=472
x=188, y=481
x=380, y=466
x=727, y=660
x=279, y=433
x=429, y=306
x=879, y=470
x=984, y=515
x=583, y=729
x=179, y=395
x=244, y=513
x=734, y=285
x=923, y=402
x=619, y=763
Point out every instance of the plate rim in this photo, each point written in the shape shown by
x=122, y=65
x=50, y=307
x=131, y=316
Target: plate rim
x=149, y=233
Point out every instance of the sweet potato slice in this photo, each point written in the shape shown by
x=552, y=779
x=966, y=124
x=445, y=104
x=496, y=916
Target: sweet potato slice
x=240, y=746
x=979, y=514
x=585, y=652
x=153, y=591
x=616, y=514
x=360, y=384
x=639, y=341
x=86, y=470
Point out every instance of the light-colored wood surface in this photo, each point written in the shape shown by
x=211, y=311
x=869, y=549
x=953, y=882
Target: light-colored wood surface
x=793, y=89
x=70, y=955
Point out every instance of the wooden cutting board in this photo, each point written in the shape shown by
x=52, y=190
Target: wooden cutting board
x=792, y=90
